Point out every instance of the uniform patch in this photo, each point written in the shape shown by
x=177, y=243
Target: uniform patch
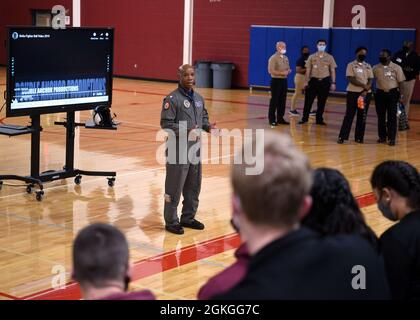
x=166, y=106
x=199, y=104
x=187, y=104
x=168, y=198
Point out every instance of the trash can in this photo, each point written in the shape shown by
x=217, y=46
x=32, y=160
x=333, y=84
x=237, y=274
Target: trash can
x=203, y=74
x=222, y=74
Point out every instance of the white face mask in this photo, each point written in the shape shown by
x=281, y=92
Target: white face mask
x=283, y=51
x=321, y=48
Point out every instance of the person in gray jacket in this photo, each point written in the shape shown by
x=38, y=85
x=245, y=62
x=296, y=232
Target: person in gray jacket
x=183, y=116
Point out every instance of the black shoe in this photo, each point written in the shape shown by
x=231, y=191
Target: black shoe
x=273, y=124
x=282, y=121
x=391, y=143
x=176, y=228
x=340, y=140
x=193, y=224
x=381, y=140
x=303, y=121
x=321, y=123
x=294, y=113
x=359, y=140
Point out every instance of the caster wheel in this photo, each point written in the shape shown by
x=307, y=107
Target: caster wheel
x=78, y=180
x=39, y=195
x=29, y=188
x=111, y=182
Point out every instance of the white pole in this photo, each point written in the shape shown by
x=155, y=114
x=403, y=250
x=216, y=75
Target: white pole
x=188, y=29
x=328, y=15
x=76, y=23
x=76, y=13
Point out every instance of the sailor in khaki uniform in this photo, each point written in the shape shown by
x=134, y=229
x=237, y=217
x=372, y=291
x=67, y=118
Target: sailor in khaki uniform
x=183, y=116
x=360, y=76
x=279, y=69
x=389, y=77
x=319, y=80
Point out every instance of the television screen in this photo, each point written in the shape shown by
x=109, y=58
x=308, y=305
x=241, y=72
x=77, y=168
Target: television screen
x=58, y=70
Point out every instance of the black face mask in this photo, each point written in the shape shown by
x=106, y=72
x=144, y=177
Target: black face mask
x=383, y=60
x=361, y=57
x=406, y=49
x=127, y=281
x=305, y=55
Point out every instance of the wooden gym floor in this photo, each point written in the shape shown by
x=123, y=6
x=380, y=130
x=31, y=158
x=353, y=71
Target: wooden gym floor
x=36, y=237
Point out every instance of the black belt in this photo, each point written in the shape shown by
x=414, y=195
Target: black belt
x=390, y=90
x=320, y=79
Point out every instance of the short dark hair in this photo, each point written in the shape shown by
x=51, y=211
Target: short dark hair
x=304, y=47
x=387, y=51
x=399, y=176
x=321, y=40
x=334, y=209
x=100, y=254
x=360, y=49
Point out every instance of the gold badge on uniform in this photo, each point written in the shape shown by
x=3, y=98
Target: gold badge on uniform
x=166, y=106
x=187, y=104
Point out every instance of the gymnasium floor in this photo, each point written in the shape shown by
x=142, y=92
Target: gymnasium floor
x=36, y=237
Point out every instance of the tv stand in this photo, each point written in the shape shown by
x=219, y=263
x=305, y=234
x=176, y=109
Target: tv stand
x=36, y=178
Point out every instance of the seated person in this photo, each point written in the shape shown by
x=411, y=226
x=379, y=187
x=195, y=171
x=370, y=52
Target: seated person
x=396, y=185
x=289, y=261
x=229, y=277
x=100, y=264
x=334, y=209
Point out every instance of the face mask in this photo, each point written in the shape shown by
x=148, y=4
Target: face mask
x=283, y=51
x=383, y=60
x=361, y=57
x=406, y=49
x=127, y=281
x=235, y=225
x=305, y=55
x=386, y=211
x=321, y=48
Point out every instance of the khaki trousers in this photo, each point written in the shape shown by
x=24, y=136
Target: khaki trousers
x=407, y=88
x=299, y=81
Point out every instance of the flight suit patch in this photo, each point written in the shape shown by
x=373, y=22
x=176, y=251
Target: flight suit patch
x=168, y=198
x=187, y=104
x=166, y=106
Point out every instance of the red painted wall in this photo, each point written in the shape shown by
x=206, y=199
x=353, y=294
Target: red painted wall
x=221, y=28
x=383, y=14
x=147, y=33
x=18, y=12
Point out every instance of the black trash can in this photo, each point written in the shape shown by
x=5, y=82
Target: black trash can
x=222, y=74
x=203, y=74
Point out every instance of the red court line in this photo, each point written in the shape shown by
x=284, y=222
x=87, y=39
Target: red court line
x=366, y=200
x=8, y=295
x=154, y=265
x=210, y=99
x=169, y=260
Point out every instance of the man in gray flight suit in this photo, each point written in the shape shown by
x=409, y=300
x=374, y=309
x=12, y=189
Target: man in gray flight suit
x=183, y=117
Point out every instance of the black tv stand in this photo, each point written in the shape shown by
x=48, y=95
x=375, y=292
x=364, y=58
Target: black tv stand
x=36, y=178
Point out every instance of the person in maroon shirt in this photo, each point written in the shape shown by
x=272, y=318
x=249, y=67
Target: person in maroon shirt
x=101, y=264
x=228, y=278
